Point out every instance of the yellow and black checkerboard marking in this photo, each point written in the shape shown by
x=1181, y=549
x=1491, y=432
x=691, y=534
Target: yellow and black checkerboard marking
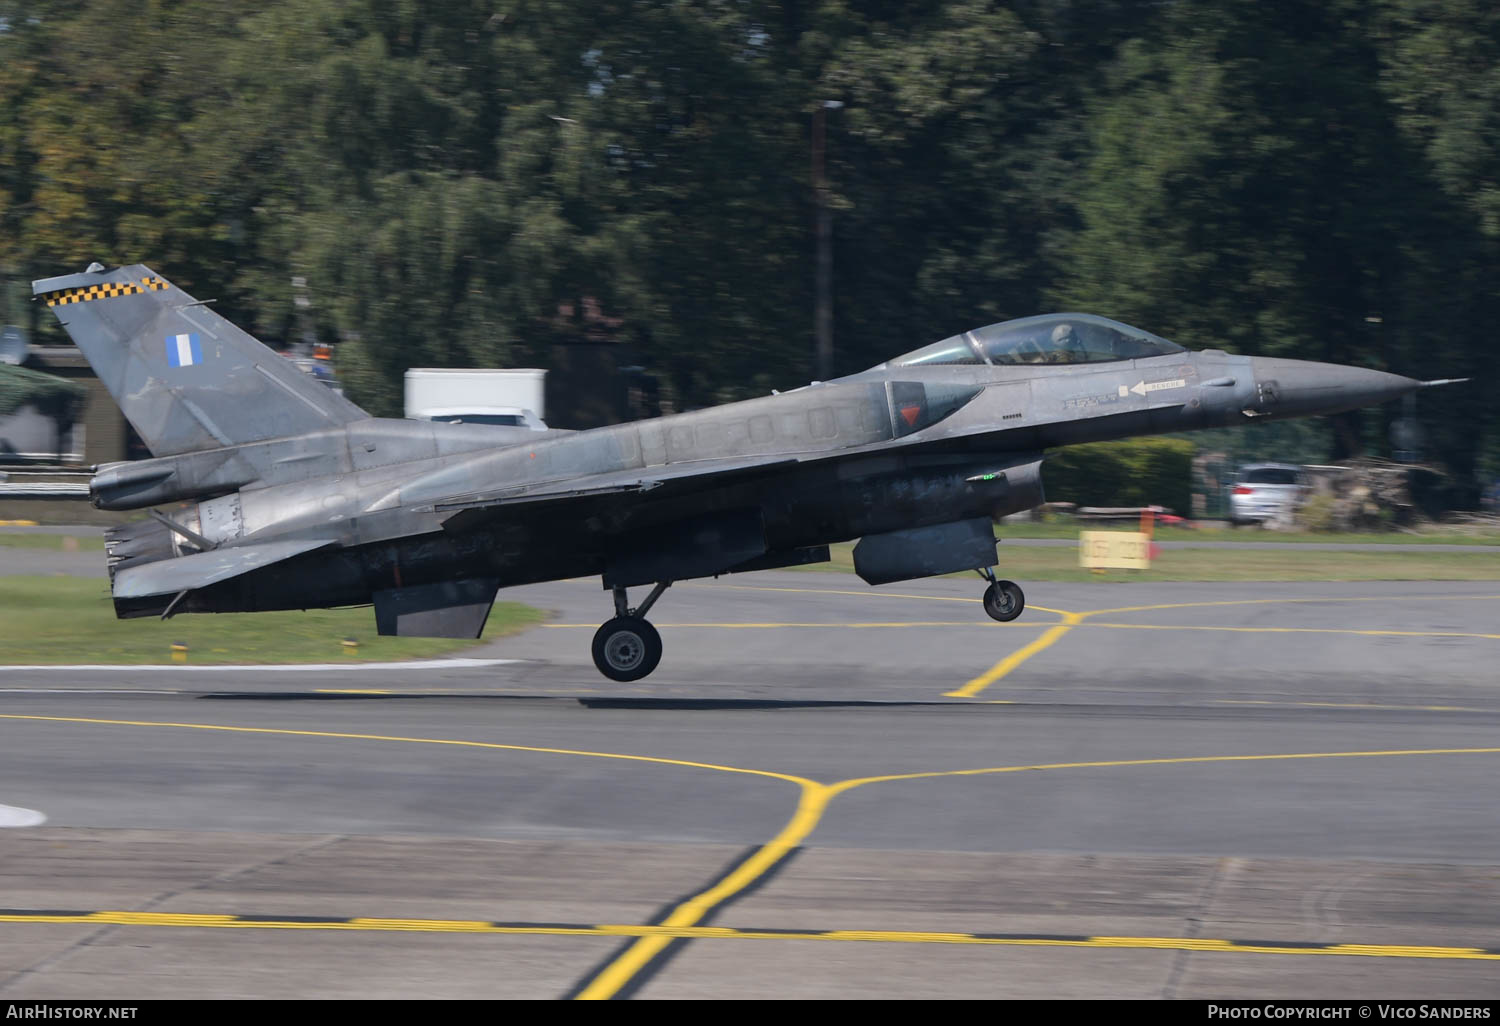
x=108, y=290
x=1204, y=944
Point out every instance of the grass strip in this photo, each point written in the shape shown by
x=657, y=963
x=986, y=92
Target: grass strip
x=1060, y=563
x=71, y=620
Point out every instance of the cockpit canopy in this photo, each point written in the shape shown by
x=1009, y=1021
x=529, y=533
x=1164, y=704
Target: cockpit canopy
x=1049, y=338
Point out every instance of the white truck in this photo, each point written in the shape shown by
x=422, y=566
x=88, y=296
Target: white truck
x=511, y=397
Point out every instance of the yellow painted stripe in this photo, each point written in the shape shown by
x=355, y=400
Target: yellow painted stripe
x=1183, y=760
x=1292, y=630
x=814, y=800
x=609, y=980
x=450, y=742
x=670, y=933
x=866, y=594
x=1072, y=619
x=843, y=591
x=1355, y=705
x=986, y=624
x=515, y=692
x=815, y=795
x=1289, y=601
x=1016, y=658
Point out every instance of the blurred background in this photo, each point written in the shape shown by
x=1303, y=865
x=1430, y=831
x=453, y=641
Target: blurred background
x=670, y=205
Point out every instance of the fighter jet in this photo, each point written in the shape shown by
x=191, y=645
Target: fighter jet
x=285, y=495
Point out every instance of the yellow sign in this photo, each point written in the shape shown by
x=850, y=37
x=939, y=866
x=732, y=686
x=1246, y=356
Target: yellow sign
x=1120, y=550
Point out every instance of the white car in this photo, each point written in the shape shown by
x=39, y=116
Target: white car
x=1266, y=491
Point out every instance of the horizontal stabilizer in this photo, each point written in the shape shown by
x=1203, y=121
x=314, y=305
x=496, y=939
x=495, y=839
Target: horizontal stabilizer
x=186, y=573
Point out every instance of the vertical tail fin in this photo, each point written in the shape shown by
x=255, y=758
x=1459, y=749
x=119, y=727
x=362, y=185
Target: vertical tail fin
x=185, y=377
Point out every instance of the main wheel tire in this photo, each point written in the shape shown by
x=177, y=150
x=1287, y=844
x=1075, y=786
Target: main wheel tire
x=1004, y=601
x=627, y=648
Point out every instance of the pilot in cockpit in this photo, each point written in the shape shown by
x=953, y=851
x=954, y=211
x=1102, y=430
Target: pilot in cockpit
x=1066, y=346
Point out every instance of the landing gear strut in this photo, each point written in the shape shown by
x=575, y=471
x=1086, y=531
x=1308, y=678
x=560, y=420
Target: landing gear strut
x=1003, y=600
x=628, y=648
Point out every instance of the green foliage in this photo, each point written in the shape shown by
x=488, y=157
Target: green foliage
x=56, y=397
x=1280, y=441
x=462, y=182
x=1276, y=184
x=1316, y=514
x=1137, y=472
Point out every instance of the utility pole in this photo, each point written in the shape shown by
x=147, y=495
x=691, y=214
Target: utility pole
x=823, y=314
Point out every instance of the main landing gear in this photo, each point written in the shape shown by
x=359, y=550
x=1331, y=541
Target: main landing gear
x=1003, y=600
x=628, y=648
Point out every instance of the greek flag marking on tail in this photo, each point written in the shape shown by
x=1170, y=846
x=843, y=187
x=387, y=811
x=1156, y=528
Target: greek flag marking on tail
x=184, y=350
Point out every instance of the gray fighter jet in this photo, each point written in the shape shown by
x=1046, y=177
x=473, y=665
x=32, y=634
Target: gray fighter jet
x=288, y=496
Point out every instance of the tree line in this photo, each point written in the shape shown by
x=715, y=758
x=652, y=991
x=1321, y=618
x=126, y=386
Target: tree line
x=468, y=183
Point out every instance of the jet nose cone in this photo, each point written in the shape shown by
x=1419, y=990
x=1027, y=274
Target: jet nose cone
x=1300, y=388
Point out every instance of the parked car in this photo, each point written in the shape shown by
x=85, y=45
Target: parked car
x=1265, y=491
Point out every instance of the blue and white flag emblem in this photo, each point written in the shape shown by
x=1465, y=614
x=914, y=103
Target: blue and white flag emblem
x=183, y=350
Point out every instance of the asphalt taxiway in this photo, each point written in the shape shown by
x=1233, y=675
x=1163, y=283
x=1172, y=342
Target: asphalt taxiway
x=1179, y=790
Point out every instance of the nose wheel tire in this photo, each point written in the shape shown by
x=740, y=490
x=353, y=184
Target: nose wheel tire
x=1004, y=600
x=627, y=648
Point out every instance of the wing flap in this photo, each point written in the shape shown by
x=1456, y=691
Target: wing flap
x=199, y=570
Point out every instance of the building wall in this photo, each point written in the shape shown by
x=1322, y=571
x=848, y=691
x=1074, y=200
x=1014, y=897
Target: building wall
x=101, y=434
x=31, y=436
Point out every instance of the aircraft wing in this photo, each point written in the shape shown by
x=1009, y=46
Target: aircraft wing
x=465, y=512
x=462, y=512
x=169, y=576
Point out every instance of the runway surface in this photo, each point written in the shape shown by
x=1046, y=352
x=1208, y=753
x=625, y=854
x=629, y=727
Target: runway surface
x=826, y=790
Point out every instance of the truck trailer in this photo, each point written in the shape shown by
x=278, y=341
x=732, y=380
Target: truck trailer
x=513, y=397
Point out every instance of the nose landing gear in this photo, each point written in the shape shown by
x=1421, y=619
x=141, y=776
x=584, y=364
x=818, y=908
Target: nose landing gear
x=1003, y=600
x=628, y=648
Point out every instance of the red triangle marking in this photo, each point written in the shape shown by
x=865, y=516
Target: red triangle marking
x=910, y=414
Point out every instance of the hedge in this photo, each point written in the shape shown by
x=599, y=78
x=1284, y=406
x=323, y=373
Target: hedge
x=54, y=396
x=1135, y=472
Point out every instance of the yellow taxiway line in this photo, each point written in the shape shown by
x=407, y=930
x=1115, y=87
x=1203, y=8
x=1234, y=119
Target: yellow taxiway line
x=1081, y=619
x=186, y=920
x=682, y=922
